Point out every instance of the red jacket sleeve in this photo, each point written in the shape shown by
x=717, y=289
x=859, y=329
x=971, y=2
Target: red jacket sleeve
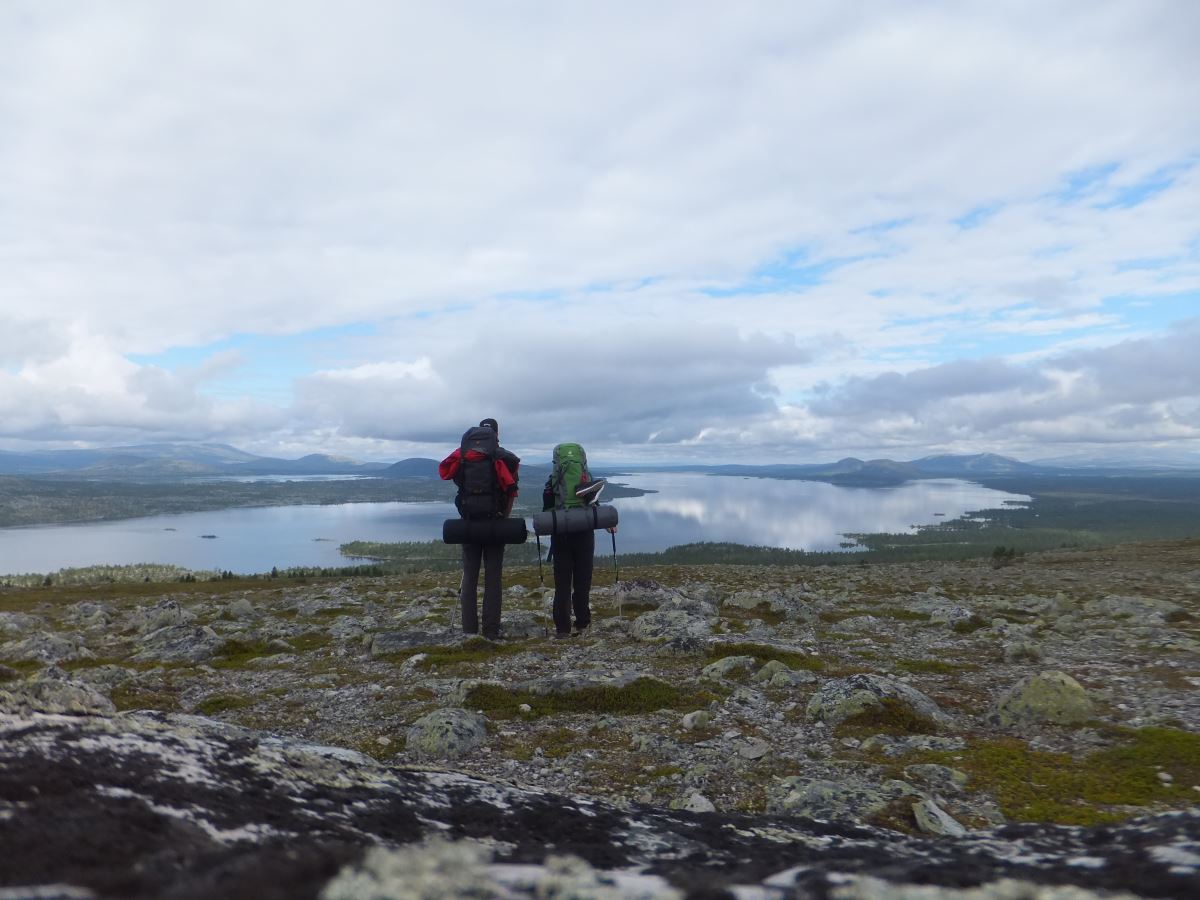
x=448, y=467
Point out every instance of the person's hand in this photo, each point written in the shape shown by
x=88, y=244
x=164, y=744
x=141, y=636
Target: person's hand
x=612, y=530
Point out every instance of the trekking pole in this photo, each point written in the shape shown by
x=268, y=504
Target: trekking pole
x=616, y=573
x=541, y=580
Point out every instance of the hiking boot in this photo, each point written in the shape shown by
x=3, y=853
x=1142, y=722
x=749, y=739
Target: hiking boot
x=562, y=635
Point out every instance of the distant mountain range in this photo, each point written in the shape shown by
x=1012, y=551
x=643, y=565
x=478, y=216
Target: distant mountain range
x=159, y=461
x=173, y=461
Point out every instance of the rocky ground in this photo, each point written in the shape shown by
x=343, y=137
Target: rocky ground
x=955, y=700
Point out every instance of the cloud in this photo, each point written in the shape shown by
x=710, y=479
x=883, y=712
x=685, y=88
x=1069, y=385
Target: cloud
x=659, y=385
x=1142, y=390
x=661, y=211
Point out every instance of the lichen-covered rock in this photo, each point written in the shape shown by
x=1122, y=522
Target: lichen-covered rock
x=52, y=691
x=1053, y=698
x=45, y=647
x=952, y=615
x=1021, y=651
x=235, y=812
x=697, y=719
x=163, y=614
x=446, y=734
x=436, y=868
x=179, y=643
x=838, y=700
x=667, y=623
x=851, y=801
x=911, y=743
x=932, y=819
x=15, y=624
x=388, y=642
x=774, y=601
x=726, y=666
x=241, y=608
x=1134, y=610
x=643, y=592
x=940, y=778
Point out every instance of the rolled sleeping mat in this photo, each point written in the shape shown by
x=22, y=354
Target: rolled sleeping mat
x=484, y=531
x=581, y=518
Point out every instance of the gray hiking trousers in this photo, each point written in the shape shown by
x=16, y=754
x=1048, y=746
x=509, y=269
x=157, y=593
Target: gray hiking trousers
x=492, y=557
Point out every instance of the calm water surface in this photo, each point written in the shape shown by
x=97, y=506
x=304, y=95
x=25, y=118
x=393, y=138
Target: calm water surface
x=687, y=507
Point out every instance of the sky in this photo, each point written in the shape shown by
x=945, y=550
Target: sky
x=671, y=231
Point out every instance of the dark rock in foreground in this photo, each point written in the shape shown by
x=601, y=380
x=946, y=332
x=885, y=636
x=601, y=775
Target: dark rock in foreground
x=182, y=807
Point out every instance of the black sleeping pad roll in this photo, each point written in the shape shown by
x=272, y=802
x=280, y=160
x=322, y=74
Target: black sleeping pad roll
x=484, y=531
x=568, y=521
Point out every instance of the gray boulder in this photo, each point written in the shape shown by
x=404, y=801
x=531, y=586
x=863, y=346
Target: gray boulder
x=1021, y=651
x=388, y=642
x=165, y=613
x=932, y=819
x=446, y=734
x=644, y=592
x=850, y=801
x=726, y=666
x=1133, y=610
x=53, y=692
x=666, y=624
x=838, y=700
x=45, y=647
x=1053, y=698
x=179, y=643
x=15, y=624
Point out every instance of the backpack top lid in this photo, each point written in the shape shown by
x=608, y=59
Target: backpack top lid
x=570, y=471
x=480, y=438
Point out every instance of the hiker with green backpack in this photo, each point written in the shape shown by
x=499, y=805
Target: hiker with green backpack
x=571, y=551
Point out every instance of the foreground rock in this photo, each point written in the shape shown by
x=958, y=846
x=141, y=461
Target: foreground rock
x=152, y=805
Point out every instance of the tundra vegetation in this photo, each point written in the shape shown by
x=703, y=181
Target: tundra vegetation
x=1060, y=686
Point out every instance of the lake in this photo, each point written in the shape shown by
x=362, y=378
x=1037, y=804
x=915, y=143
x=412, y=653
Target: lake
x=686, y=507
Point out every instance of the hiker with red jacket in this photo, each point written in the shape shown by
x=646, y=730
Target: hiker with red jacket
x=486, y=475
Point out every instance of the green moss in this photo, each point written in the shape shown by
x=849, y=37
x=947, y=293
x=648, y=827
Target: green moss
x=310, y=641
x=235, y=654
x=22, y=666
x=1107, y=786
x=890, y=716
x=934, y=667
x=664, y=771
x=764, y=653
x=897, y=816
x=967, y=626
x=472, y=650
x=642, y=696
x=762, y=612
x=125, y=697
x=900, y=614
x=219, y=703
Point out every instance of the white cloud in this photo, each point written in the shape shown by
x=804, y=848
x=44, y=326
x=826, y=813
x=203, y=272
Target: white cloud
x=543, y=188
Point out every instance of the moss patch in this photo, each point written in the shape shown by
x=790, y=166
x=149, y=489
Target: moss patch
x=235, y=654
x=21, y=666
x=890, y=716
x=762, y=612
x=934, y=667
x=763, y=654
x=1107, y=786
x=967, y=626
x=642, y=696
x=473, y=650
x=219, y=703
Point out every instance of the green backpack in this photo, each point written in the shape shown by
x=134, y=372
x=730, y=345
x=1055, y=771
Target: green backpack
x=570, y=471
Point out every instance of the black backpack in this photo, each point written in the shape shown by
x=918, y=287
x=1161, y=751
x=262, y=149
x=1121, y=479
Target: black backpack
x=479, y=494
